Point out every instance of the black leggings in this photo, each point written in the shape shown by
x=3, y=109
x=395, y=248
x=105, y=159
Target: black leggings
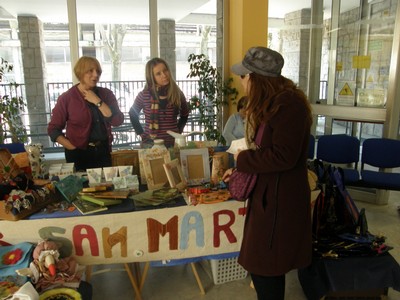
x=269, y=287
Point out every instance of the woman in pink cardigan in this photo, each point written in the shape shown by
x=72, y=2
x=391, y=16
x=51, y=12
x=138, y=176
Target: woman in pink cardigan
x=82, y=118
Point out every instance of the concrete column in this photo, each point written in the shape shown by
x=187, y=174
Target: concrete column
x=153, y=17
x=314, y=69
x=222, y=49
x=168, y=43
x=296, y=46
x=222, y=40
x=34, y=65
x=73, y=36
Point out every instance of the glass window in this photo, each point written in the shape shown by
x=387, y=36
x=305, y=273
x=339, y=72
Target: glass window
x=6, y=54
x=356, y=47
x=56, y=54
x=89, y=51
x=364, y=46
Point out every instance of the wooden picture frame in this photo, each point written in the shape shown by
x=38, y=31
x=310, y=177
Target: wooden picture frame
x=153, y=161
x=195, y=165
x=126, y=158
x=175, y=175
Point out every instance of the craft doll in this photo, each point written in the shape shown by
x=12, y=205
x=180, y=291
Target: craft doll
x=48, y=270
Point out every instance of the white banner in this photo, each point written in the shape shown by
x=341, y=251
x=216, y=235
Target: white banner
x=159, y=234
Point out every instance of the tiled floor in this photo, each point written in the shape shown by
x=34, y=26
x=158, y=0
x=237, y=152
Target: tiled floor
x=178, y=282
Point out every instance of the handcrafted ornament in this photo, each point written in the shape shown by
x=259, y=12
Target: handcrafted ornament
x=219, y=166
x=8, y=166
x=35, y=155
x=49, y=270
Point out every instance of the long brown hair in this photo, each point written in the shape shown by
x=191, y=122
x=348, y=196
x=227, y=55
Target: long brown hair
x=264, y=90
x=174, y=93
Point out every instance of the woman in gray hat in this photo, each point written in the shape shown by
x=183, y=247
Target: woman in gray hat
x=277, y=233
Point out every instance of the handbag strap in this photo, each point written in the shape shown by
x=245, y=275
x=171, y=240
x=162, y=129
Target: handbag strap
x=259, y=134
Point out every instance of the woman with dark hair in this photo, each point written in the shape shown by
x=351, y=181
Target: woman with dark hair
x=86, y=112
x=162, y=103
x=277, y=233
x=234, y=127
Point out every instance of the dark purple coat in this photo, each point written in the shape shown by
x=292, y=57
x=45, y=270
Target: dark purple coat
x=277, y=233
x=72, y=113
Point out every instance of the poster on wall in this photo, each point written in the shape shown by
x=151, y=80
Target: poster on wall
x=346, y=93
x=371, y=97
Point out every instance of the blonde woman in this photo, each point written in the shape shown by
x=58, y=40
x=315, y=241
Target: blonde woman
x=163, y=104
x=86, y=112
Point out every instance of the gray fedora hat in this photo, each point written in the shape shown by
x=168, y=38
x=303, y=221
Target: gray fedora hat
x=260, y=60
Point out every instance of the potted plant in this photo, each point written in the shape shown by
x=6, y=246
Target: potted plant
x=11, y=106
x=213, y=94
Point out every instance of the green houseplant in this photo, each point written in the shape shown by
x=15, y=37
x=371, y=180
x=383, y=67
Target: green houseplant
x=213, y=94
x=11, y=106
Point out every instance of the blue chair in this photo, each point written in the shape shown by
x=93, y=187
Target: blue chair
x=311, y=147
x=380, y=154
x=342, y=150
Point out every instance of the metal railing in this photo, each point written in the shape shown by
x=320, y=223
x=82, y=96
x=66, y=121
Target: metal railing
x=125, y=92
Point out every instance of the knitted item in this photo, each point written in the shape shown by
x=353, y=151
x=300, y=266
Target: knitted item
x=155, y=106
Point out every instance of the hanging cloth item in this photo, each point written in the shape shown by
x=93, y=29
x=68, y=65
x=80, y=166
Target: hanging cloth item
x=154, y=107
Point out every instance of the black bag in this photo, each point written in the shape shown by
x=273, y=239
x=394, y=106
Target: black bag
x=339, y=228
x=335, y=211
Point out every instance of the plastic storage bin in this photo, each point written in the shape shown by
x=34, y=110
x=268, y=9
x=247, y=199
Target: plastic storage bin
x=225, y=270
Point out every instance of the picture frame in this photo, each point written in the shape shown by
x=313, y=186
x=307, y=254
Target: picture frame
x=142, y=176
x=175, y=175
x=195, y=165
x=153, y=161
x=126, y=158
